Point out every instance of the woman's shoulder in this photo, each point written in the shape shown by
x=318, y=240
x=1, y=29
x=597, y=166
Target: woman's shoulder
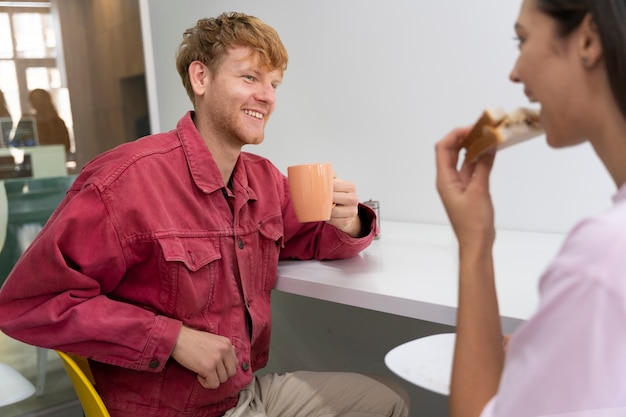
x=596, y=248
x=602, y=231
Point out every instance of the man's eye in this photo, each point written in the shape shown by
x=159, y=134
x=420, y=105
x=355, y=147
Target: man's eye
x=249, y=77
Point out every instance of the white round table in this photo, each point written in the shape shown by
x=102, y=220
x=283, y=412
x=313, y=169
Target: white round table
x=425, y=362
x=13, y=386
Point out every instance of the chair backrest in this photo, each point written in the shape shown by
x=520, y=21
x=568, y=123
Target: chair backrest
x=80, y=374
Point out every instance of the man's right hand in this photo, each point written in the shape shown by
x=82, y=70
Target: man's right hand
x=211, y=356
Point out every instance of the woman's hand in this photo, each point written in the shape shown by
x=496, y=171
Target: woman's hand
x=478, y=353
x=465, y=191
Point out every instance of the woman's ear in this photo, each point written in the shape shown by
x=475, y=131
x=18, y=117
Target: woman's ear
x=198, y=77
x=589, y=44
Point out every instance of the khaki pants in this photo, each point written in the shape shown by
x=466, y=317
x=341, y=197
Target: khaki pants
x=318, y=394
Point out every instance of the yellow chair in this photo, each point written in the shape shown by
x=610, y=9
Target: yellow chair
x=79, y=372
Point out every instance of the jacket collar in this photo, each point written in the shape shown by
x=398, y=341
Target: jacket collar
x=202, y=166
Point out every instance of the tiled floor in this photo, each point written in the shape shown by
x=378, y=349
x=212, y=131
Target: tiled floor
x=58, y=399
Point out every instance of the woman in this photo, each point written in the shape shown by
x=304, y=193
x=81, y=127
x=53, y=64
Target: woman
x=51, y=129
x=569, y=359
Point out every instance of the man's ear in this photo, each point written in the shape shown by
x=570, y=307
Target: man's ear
x=589, y=44
x=198, y=77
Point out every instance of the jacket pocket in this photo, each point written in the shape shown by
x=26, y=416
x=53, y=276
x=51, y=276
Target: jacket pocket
x=188, y=273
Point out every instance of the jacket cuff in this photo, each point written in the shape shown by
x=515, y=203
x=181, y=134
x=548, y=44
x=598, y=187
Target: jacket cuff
x=160, y=343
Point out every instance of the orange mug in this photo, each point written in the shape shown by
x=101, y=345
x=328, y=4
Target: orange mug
x=311, y=189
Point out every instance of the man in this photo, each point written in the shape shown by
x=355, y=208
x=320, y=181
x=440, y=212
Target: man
x=158, y=266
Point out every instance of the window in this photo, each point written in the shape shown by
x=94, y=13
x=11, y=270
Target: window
x=28, y=59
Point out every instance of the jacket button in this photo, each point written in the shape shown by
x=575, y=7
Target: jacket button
x=245, y=366
x=153, y=364
x=240, y=244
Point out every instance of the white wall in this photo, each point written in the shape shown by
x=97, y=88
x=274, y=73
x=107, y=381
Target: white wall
x=373, y=84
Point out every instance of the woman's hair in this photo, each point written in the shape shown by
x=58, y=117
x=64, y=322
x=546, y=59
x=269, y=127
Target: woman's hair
x=610, y=19
x=211, y=38
x=41, y=101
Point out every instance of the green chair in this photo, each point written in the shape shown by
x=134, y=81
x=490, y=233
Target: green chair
x=30, y=202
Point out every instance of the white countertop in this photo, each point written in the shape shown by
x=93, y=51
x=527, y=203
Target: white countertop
x=412, y=271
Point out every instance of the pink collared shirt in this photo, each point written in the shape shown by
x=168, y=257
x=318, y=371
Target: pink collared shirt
x=569, y=359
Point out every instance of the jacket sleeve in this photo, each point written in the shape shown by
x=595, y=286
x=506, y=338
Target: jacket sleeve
x=320, y=240
x=57, y=294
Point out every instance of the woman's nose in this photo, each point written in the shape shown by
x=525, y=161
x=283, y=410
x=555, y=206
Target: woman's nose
x=513, y=75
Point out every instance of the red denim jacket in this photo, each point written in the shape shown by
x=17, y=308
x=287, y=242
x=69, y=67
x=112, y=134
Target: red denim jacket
x=148, y=239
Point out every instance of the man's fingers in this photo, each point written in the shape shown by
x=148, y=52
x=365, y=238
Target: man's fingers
x=209, y=382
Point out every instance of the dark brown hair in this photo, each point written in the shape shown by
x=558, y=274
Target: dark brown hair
x=610, y=19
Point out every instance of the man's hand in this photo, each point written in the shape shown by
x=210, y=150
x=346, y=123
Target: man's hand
x=345, y=214
x=211, y=356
